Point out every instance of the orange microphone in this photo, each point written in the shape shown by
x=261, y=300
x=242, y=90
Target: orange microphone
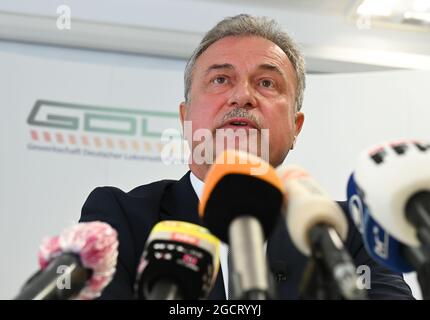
x=241, y=203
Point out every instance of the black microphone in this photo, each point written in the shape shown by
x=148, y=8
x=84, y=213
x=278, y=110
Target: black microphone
x=180, y=262
x=241, y=203
x=77, y=264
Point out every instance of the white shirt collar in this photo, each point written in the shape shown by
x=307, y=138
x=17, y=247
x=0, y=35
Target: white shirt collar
x=198, y=188
x=197, y=184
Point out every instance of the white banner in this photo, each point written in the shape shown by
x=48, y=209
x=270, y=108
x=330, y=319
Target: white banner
x=72, y=121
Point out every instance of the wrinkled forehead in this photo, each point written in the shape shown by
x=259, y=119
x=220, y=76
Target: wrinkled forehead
x=245, y=53
x=238, y=50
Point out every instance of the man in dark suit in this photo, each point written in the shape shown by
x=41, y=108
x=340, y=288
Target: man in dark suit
x=246, y=74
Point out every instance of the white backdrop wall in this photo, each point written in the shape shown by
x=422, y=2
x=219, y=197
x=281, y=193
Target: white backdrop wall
x=46, y=173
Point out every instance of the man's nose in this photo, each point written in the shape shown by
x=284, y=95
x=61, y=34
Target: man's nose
x=242, y=95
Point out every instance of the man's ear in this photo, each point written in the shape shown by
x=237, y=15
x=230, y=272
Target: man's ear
x=298, y=121
x=300, y=118
x=182, y=112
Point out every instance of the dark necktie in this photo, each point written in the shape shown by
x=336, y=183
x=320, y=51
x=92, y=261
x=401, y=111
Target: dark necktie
x=230, y=290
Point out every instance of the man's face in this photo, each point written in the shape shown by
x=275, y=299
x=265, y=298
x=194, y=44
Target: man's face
x=245, y=83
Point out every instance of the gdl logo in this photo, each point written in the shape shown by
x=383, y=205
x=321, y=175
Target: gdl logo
x=95, y=119
x=118, y=131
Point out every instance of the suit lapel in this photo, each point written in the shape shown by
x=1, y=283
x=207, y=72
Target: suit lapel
x=286, y=262
x=180, y=202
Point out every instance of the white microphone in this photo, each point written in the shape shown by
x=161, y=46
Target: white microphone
x=318, y=227
x=395, y=180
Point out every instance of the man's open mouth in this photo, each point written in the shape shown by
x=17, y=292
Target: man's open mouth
x=239, y=123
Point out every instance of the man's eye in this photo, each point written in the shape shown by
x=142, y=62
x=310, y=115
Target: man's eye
x=219, y=80
x=267, y=83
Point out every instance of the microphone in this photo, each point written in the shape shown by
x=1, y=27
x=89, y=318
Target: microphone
x=379, y=244
x=180, y=262
x=382, y=247
x=241, y=203
x=77, y=264
x=318, y=227
x=395, y=180
x=401, y=212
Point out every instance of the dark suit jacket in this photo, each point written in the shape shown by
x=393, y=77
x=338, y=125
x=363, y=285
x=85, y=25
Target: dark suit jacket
x=133, y=214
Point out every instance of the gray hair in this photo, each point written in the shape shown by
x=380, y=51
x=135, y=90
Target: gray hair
x=246, y=25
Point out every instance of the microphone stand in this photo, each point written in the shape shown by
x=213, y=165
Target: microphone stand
x=165, y=290
x=420, y=260
x=332, y=266
x=317, y=283
x=250, y=279
x=44, y=284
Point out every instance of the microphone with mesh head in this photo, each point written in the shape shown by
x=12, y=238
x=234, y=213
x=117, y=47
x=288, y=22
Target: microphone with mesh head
x=77, y=264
